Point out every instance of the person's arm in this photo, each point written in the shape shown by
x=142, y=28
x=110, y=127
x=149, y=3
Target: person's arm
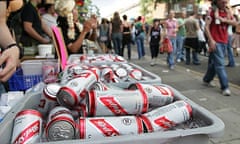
x=46, y=29
x=9, y=56
x=76, y=45
x=27, y=26
x=211, y=41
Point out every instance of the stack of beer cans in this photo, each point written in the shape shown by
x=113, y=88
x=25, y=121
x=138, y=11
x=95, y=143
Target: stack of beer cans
x=84, y=105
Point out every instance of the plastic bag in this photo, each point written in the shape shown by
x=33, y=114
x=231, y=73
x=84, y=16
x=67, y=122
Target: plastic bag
x=166, y=46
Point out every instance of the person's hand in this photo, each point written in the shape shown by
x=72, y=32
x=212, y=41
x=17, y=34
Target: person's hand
x=45, y=41
x=10, y=57
x=212, y=46
x=90, y=24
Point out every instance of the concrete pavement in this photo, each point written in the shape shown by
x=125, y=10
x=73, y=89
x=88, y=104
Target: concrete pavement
x=188, y=80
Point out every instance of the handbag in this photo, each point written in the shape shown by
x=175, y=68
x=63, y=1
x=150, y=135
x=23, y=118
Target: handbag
x=166, y=46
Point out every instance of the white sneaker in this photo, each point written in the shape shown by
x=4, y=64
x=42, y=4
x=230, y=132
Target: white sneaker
x=209, y=84
x=226, y=92
x=152, y=64
x=178, y=60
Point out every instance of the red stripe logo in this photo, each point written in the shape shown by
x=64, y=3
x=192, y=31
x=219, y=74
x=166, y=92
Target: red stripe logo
x=113, y=105
x=28, y=133
x=164, y=91
x=104, y=127
x=164, y=122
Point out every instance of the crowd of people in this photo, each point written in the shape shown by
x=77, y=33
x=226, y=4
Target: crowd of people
x=183, y=38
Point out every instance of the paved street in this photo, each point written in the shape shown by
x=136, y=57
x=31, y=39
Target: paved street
x=188, y=80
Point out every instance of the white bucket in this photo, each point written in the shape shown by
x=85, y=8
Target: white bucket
x=45, y=49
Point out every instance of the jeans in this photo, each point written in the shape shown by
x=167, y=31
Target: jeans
x=129, y=50
x=216, y=66
x=140, y=45
x=194, y=56
x=117, y=42
x=231, y=61
x=170, y=56
x=154, y=49
x=179, y=47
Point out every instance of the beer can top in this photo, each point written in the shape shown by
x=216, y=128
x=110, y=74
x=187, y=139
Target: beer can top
x=67, y=97
x=52, y=88
x=60, y=129
x=121, y=72
x=136, y=74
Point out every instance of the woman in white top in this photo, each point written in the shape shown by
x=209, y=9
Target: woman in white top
x=50, y=17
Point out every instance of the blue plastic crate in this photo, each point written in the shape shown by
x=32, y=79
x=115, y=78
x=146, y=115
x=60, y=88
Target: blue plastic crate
x=20, y=82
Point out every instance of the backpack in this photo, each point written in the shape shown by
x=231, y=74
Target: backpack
x=138, y=29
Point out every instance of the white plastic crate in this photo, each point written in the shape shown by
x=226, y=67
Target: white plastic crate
x=198, y=130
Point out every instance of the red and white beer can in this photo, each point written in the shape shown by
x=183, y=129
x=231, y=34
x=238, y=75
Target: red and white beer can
x=99, y=86
x=27, y=127
x=166, y=117
x=49, y=98
x=100, y=127
x=60, y=125
x=79, y=111
x=74, y=90
x=116, y=102
x=107, y=74
x=135, y=74
x=158, y=95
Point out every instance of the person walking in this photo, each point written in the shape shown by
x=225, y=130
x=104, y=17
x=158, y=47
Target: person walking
x=191, y=40
x=236, y=38
x=231, y=60
x=202, y=49
x=139, y=37
x=116, y=32
x=172, y=28
x=216, y=31
x=180, y=37
x=126, y=41
x=154, y=35
x=103, y=35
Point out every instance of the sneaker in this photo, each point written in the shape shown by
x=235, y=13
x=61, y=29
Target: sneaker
x=171, y=67
x=209, y=84
x=178, y=60
x=152, y=64
x=226, y=92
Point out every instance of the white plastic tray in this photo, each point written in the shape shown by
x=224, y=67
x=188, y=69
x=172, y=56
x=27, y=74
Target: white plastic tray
x=203, y=126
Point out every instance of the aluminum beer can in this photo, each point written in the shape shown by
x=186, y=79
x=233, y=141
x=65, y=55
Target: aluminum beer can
x=74, y=90
x=49, y=98
x=158, y=95
x=60, y=125
x=166, y=117
x=27, y=127
x=116, y=102
x=100, y=127
x=136, y=74
x=100, y=86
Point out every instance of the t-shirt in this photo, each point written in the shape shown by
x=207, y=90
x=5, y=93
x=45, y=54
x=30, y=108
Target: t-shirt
x=49, y=20
x=181, y=30
x=219, y=32
x=155, y=35
x=30, y=14
x=191, y=27
x=63, y=24
x=171, y=27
